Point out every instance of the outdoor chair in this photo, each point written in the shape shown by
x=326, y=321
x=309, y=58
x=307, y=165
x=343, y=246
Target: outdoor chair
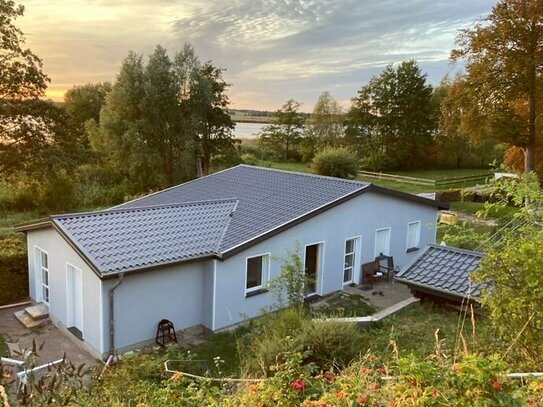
x=381, y=269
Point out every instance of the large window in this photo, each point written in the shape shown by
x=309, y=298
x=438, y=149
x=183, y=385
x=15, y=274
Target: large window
x=382, y=242
x=42, y=275
x=256, y=273
x=350, y=258
x=413, y=236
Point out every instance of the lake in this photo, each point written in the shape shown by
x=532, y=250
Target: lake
x=248, y=130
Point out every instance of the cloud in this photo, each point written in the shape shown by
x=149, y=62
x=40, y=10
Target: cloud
x=273, y=50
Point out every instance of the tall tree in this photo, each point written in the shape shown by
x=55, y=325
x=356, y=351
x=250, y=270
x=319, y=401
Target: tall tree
x=395, y=114
x=34, y=134
x=504, y=61
x=286, y=132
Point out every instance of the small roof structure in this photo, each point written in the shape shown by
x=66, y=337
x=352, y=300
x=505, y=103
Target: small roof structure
x=214, y=216
x=443, y=271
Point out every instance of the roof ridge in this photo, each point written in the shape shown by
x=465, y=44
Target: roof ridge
x=173, y=187
x=306, y=174
x=143, y=208
x=456, y=249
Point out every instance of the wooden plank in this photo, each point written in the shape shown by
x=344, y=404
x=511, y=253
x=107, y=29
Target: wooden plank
x=398, y=178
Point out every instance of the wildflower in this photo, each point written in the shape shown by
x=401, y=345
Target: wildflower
x=362, y=400
x=434, y=392
x=496, y=385
x=297, y=385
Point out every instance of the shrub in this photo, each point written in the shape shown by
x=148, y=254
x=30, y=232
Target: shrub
x=335, y=162
x=13, y=270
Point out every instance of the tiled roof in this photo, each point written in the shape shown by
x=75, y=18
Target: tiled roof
x=116, y=240
x=267, y=198
x=443, y=269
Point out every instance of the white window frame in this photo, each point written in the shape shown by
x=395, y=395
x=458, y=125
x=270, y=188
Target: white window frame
x=416, y=246
x=265, y=272
x=39, y=269
x=356, y=249
x=387, y=252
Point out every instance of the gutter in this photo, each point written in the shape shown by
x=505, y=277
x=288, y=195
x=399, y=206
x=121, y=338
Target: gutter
x=112, y=316
x=431, y=289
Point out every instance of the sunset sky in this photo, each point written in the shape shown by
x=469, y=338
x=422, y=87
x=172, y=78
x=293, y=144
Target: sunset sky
x=272, y=50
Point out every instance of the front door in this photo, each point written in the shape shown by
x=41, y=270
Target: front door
x=75, y=300
x=311, y=268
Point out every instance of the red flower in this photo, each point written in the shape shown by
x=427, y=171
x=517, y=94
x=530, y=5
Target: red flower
x=496, y=385
x=434, y=392
x=297, y=385
x=380, y=371
x=362, y=400
x=329, y=377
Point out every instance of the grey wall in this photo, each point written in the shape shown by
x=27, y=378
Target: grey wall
x=59, y=252
x=178, y=293
x=360, y=216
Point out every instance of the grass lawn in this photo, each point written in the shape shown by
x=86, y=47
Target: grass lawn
x=474, y=207
x=287, y=166
x=413, y=329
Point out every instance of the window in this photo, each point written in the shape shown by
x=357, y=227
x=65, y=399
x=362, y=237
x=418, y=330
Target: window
x=350, y=257
x=256, y=274
x=42, y=275
x=413, y=235
x=382, y=242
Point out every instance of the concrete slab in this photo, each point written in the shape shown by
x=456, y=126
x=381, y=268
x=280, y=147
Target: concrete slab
x=38, y=311
x=382, y=295
x=55, y=343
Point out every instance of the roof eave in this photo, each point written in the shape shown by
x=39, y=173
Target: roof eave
x=410, y=197
x=442, y=291
x=32, y=225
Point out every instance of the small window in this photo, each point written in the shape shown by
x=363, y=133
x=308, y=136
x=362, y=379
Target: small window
x=257, y=271
x=382, y=242
x=413, y=235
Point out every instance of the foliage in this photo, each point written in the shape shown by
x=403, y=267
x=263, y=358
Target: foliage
x=393, y=118
x=513, y=293
x=324, y=128
x=284, y=135
x=292, y=280
x=465, y=236
x=13, y=270
x=335, y=162
x=504, y=61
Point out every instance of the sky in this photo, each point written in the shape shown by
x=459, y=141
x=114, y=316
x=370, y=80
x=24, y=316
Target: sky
x=272, y=50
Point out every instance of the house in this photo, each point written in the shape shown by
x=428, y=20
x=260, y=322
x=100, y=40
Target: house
x=199, y=254
x=442, y=272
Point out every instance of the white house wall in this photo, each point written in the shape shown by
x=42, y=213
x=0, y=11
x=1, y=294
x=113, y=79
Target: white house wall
x=358, y=217
x=178, y=293
x=59, y=254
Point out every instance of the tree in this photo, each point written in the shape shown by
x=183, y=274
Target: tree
x=286, y=132
x=34, y=134
x=513, y=291
x=83, y=103
x=504, y=61
x=394, y=116
x=325, y=127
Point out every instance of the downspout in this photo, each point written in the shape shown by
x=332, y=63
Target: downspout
x=112, y=316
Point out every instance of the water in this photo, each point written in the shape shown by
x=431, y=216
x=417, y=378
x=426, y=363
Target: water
x=248, y=130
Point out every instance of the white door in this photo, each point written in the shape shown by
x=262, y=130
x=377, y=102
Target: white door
x=75, y=298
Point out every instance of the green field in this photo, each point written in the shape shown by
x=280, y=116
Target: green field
x=250, y=119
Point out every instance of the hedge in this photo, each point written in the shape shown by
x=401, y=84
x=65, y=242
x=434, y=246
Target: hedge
x=13, y=270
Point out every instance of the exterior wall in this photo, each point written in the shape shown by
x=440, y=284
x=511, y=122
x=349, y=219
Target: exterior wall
x=360, y=216
x=179, y=293
x=59, y=253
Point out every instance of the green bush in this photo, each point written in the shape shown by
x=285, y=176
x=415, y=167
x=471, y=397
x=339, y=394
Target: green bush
x=335, y=162
x=13, y=270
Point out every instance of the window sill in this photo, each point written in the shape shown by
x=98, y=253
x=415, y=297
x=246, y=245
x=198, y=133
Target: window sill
x=255, y=292
x=412, y=249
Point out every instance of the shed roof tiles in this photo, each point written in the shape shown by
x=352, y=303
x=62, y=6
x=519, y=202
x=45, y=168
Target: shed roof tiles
x=443, y=269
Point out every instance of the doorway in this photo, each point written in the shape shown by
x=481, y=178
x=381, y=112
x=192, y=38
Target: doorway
x=75, y=300
x=312, y=266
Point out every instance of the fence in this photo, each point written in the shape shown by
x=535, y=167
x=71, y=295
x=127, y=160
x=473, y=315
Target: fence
x=434, y=183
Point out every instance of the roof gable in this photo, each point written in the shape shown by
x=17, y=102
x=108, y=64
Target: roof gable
x=125, y=239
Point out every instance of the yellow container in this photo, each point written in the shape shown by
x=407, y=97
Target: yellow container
x=448, y=218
